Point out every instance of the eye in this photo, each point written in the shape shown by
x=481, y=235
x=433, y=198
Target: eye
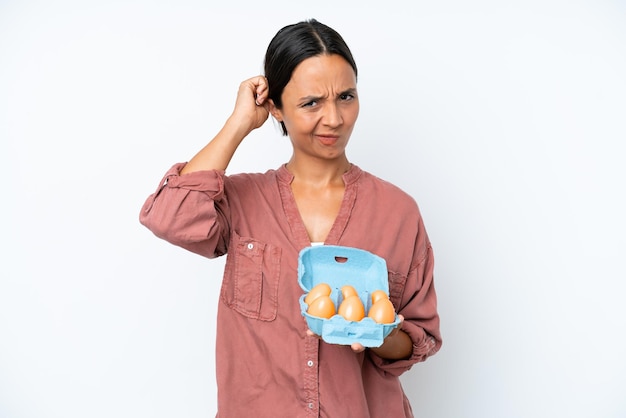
x=310, y=104
x=346, y=97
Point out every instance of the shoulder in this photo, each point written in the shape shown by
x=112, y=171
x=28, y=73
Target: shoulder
x=239, y=180
x=384, y=190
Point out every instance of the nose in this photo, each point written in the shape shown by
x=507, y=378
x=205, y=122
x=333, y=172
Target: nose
x=332, y=115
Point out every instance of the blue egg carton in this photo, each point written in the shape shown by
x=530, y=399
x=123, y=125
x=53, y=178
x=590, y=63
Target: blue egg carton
x=339, y=266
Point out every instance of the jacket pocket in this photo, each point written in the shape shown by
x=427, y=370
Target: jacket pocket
x=251, y=278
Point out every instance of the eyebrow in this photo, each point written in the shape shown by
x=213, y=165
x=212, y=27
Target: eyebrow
x=351, y=90
x=306, y=99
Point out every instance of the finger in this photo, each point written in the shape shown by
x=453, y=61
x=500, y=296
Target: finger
x=260, y=97
x=261, y=90
x=357, y=347
x=310, y=333
x=401, y=318
x=398, y=327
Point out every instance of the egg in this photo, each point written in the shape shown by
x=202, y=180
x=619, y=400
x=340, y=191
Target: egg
x=382, y=311
x=348, y=291
x=323, y=307
x=379, y=294
x=321, y=289
x=352, y=308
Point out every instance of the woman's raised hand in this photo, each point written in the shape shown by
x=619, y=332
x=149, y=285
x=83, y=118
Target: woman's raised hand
x=251, y=111
x=252, y=107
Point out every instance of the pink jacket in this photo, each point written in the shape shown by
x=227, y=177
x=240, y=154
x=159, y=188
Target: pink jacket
x=266, y=365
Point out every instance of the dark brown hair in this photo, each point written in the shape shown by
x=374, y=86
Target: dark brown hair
x=292, y=45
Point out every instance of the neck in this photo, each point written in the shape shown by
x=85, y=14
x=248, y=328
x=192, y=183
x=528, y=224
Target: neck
x=318, y=172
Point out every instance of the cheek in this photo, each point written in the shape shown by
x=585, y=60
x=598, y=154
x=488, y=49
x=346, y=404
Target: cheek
x=355, y=108
x=355, y=114
x=301, y=122
x=350, y=115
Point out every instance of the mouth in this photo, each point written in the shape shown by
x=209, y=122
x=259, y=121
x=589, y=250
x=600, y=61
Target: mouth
x=328, y=139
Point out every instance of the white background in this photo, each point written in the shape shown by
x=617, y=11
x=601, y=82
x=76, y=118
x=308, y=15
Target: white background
x=505, y=120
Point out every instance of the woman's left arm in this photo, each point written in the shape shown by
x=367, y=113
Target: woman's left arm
x=418, y=336
x=397, y=346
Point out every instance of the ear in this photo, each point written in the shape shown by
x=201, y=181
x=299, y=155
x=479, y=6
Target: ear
x=274, y=111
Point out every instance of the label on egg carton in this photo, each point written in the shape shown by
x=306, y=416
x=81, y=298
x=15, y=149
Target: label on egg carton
x=339, y=266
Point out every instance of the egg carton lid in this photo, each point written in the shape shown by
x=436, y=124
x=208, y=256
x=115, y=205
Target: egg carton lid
x=339, y=265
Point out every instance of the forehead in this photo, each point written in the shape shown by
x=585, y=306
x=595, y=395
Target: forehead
x=323, y=72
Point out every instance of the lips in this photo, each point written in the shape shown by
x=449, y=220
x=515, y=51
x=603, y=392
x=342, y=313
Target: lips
x=328, y=139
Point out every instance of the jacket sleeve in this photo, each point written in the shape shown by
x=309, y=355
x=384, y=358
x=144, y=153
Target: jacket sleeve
x=190, y=211
x=418, y=305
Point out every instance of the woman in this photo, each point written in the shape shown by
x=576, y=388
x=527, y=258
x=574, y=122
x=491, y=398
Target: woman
x=268, y=365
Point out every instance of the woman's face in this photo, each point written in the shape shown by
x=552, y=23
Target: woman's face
x=320, y=106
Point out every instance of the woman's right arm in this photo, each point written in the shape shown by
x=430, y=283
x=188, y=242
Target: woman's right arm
x=190, y=210
x=251, y=111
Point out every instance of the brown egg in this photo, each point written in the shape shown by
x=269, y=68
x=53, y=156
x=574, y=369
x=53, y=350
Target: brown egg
x=352, y=308
x=323, y=307
x=379, y=294
x=348, y=291
x=382, y=311
x=321, y=289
